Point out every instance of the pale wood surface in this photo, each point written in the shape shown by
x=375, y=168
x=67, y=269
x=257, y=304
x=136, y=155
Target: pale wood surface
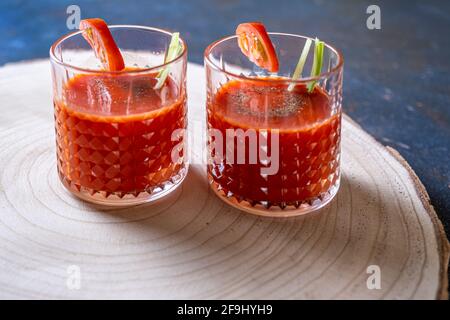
x=192, y=245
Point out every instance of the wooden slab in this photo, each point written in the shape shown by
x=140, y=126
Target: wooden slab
x=192, y=245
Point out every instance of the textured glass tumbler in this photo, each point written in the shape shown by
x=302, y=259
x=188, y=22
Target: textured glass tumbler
x=119, y=135
x=273, y=142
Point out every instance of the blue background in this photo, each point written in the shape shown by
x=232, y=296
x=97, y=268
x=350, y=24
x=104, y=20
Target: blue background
x=396, y=83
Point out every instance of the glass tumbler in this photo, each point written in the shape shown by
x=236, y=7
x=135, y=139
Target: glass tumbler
x=119, y=136
x=273, y=142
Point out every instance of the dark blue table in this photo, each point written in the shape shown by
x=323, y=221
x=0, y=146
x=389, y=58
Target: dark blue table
x=397, y=79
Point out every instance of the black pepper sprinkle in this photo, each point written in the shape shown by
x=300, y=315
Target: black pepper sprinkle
x=290, y=102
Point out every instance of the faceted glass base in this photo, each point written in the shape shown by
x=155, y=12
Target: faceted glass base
x=127, y=199
x=262, y=209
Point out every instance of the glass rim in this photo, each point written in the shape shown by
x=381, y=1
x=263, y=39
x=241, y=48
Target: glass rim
x=55, y=59
x=323, y=75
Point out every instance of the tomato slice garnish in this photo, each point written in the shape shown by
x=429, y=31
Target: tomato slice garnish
x=97, y=34
x=256, y=45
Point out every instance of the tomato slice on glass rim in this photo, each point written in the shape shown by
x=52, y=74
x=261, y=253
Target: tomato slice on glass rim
x=97, y=34
x=257, y=46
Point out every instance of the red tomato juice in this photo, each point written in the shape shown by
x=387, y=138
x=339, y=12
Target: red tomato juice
x=114, y=133
x=309, y=141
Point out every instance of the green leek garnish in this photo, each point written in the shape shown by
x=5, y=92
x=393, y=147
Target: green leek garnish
x=175, y=49
x=301, y=63
x=317, y=63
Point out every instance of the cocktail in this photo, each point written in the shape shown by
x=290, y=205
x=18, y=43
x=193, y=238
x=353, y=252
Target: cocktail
x=273, y=135
x=120, y=112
